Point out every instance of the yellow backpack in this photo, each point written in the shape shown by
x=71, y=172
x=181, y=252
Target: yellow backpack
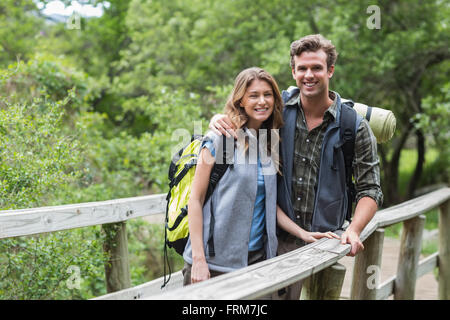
x=181, y=176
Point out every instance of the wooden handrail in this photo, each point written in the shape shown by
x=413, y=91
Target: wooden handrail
x=406, y=210
x=270, y=275
x=247, y=283
x=23, y=222
x=111, y=214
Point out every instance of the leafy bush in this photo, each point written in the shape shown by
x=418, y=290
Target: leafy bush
x=40, y=155
x=36, y=156
x=55, y=151
x=60, y=265
x=128, y=164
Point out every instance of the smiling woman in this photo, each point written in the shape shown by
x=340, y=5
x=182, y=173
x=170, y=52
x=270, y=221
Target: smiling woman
x=255, y=88
x=258, y=102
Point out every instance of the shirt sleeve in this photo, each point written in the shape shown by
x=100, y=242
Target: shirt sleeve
x=212, y=142
x=209, y=144
x=366, y=165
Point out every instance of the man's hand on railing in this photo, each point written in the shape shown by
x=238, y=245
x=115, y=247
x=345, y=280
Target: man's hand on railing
x=364, y=212
x=351, y=237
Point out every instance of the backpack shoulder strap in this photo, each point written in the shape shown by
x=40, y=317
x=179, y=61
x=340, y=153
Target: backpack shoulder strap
x=217, y=173
x=348, y=129
x=347, y=136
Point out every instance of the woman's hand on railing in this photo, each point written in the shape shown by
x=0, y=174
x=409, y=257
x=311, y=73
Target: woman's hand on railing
x=310, y=237
x=290, y=226
x=199, y=272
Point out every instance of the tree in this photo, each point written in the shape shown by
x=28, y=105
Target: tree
x=19, y=27
x=394, y=67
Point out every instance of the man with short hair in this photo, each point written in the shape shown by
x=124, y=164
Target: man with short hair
x=312, y=189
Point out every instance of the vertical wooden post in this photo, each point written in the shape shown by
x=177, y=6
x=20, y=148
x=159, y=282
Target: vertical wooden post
x=410, y=247
x=117, y=269
x=324, y=285
x=444, y=251
x=367, y=268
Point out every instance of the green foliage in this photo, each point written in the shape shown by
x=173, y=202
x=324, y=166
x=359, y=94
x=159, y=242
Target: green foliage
x=49, y=76
x=36, y=156
x=126, y=165
x=19, y=26
x=39, y=157
x=48, y=266
x=96, y=114
x=147, y=251
x=50, y=158
x=433, y=120
x=40, y=152
x=204, y=44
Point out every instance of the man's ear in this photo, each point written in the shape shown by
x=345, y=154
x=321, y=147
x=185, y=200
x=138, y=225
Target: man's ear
x=330, y=71
x=293, y=73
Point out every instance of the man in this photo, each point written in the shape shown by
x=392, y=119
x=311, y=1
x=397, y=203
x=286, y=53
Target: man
x=312, y=187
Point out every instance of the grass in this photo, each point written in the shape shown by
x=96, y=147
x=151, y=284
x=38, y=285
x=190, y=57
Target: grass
x=408, y=160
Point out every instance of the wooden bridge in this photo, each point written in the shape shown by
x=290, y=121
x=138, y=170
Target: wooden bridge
x=316, y=263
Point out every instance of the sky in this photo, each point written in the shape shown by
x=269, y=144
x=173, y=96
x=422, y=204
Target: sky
x=57, y=7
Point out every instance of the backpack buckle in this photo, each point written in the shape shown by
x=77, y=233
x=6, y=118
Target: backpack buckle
x=348, y=134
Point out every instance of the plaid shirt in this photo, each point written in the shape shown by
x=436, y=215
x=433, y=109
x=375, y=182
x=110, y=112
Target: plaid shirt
x=307, y=151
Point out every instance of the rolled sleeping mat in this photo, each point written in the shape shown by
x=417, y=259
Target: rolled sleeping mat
x=381, y=121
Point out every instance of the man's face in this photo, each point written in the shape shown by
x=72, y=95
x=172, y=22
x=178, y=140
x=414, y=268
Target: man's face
x=311, y=73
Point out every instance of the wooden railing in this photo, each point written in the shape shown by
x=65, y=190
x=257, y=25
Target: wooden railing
x=111, y=214
x=315, y=263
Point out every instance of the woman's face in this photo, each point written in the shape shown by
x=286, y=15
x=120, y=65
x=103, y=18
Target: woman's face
x=258, y=103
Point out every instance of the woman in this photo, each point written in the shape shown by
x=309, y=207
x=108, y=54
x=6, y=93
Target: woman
x=244, y=201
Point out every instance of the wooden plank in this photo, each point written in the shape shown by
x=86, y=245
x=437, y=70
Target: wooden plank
x=15, y=223
x=247, y=283
x=147, y=289
x=361, y=288
x=265, y=277
x=217, y=288
x=153, y=288
x=117, y=268
x=444, y=251
x=22, y=222
x=410, y=247
x=324, y=285
x=428, y=264
x=425, y=266
x=412, y=208
x=386, y=288
x=405, y=211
